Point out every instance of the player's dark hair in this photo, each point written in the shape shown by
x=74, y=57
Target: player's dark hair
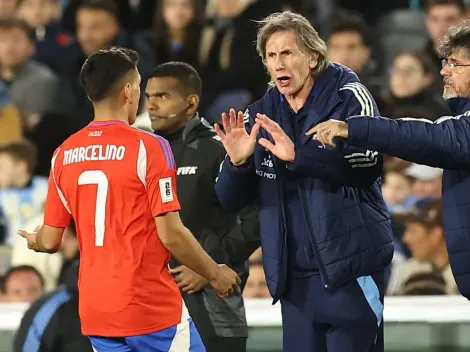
x=2, y=284
x=104, y=69
x=347, y=21
x=187, y=75
x=108, y=6
x=19, y=269
x=21, y=150
x=456, y=38
x=458, y=3
x=13, y=22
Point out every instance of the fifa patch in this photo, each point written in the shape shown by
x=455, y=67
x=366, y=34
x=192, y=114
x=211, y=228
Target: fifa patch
x=166, y=192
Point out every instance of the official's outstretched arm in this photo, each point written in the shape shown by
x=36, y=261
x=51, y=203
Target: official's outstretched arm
x=444, y=143
x=237, y=186
x=345, y=164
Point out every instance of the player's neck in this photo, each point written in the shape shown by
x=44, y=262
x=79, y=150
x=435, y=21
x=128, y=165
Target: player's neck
x=106, y=112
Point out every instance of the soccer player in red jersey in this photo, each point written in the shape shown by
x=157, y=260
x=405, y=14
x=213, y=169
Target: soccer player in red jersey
x=118, y=184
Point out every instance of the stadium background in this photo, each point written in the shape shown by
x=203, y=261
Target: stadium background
x=389, y=44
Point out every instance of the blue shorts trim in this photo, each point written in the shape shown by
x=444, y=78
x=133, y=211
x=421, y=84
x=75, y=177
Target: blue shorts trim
x=183, y=337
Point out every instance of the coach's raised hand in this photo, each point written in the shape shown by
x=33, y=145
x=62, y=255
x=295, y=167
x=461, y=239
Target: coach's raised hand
x=236, y=140
x=283, y=147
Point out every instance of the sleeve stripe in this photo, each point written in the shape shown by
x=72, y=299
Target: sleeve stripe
x=59, y=192
x=142, y=163
x=362, y=96
x=367, y=159
x=170, y=161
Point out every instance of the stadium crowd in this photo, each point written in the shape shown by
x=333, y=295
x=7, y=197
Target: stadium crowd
x=390, y=45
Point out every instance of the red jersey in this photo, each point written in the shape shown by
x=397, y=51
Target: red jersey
x=113, y=180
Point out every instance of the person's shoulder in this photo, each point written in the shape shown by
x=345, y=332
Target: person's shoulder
x=271, y=95
x=150, y=139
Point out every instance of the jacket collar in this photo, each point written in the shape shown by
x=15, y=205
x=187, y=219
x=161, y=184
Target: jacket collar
x=459, y=106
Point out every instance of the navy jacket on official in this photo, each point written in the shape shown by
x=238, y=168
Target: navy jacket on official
x=345, y=225
x=445, y=144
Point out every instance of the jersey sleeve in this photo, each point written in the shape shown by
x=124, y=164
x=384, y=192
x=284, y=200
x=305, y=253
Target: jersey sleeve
x=57, y=212
x=157, y=170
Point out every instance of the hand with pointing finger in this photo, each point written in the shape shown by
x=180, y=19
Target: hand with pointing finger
x=326, y=131
x=283, y=147
x=30, y=238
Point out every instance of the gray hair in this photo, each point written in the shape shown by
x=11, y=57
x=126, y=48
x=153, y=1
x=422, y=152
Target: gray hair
x=307, y=36
x=456, y=38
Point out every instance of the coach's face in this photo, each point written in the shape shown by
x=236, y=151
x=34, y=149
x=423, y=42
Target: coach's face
x=289, y=65
x=457, y=79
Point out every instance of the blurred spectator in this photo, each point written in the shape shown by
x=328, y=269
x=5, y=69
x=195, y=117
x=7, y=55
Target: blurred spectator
x=349, y=43
x=97, y=27
x=19, y=73
x=8, y=7
x=256, y=285
x=52, y=324
x=42, y=16
x=49, y=265
x=3, y=224
x=132, y=15
x=22, y=195
x=424, y=236
x=10, y=121
x=178, y=31
x=410, y=80
x=440, y=15
x=425, y=283
x=23, y=283
x=2, y=289
x=397, y=189
x=427, y=180
x=229, y=66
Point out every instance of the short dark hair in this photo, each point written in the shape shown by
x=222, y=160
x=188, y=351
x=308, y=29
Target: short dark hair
x=104, y=69
x=21, y=268
x=108, y=6
x=456, y=38
x=458, y=3
x=183, y=72
x=13, y=22
x=21, y=150
x=351, y=22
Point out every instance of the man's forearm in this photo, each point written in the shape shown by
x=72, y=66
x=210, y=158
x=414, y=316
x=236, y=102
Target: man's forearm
x=44, y=246
x=186, y=249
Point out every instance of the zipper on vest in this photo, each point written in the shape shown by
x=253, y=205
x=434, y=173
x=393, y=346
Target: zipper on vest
x=313, y=242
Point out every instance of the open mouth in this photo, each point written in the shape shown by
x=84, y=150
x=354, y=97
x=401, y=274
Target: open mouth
x=283, y=80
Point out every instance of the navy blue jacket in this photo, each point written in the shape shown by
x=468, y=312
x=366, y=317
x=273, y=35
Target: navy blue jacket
x=445, y=144
x=340, y=189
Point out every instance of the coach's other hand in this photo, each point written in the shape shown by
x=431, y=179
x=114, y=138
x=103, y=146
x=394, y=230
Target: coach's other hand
x=325, y=132
x=283, y=147
x=226, y=281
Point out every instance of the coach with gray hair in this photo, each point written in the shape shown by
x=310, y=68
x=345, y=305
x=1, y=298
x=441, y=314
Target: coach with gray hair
x=325, y=231
x=444, y=144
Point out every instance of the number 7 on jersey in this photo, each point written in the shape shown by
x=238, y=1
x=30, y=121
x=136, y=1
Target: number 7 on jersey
x=97, y=177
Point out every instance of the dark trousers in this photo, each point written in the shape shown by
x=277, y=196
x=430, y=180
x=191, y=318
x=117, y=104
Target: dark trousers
x=346, y=319
x=225, y=344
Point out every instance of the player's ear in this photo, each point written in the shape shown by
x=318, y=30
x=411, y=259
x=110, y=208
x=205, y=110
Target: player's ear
x=193, y=103
x=128, y=92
